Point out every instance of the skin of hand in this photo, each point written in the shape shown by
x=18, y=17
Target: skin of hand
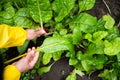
x=26, y=63
x=31, y=34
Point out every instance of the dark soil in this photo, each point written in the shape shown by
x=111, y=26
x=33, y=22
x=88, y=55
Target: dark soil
x=100, y=9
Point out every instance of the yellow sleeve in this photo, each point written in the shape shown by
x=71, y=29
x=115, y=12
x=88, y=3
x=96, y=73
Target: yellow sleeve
x=11, y=36
x=11, y=73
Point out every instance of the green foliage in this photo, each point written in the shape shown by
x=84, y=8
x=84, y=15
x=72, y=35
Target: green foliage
x=55, y=44
x=22, y=49
x=86, y=4
x=44, y=70
x=62, y=8
x=89, y=43
x=39, y=9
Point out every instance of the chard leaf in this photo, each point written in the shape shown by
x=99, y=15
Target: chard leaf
x=85, y=22
x=63, y=31
x=108, y=75
x=72, y=76
x=46, y=58
x=6, y=21
x=98, y=61
x=8, y=12
x=109, y=21
x=39, y=10
x=57, y=55
x=86, y=4
x=96, y=48
x=118, y=57
x=73, y=61
x=77, y=35
x=55, y=44
x=99, y=35
x=112, y=48
x=113, y=33
x=86, y=65
x=44, y=70
x=22, y=19
x=79, y=55
x=79, y=72
x=22, y=49
x=62, y=8
x=88, y=36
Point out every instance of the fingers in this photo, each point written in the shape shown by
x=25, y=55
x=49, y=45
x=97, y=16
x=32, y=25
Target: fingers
x=40, y=32
x=34, y=60
x=32, y=57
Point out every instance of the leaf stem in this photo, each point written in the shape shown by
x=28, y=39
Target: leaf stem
x=41, y=22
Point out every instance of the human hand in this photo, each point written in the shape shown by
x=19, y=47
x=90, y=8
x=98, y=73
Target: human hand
x=31, y=34
x=27, y=62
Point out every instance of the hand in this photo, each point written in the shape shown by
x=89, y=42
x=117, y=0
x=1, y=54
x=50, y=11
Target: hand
x=31, y=34
x=27, y=62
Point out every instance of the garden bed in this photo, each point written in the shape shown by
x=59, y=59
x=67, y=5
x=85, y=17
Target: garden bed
x=62, y=67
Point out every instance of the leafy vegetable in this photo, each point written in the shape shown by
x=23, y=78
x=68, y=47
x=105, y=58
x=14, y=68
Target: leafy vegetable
x=44, y=70
x=39, y=9
x=62, y=8
x=109, y=21
x=112, y=48
x=54, y=44
x=85, y=22
x=86, y=4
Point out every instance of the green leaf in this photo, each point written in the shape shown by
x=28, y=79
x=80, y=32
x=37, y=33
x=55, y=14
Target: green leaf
x=63, y=31
x=22, y=49
x=55, y=44
x=22, y=19
x=88, y=36
x=79, y=55
x=86, y=4
x=100, y=25
x=59, y=26
x=79, y=72
x=72, y=76
x=77, y=35
x=108, y=75
x=113, y=33
x=85, y=22
x=86, y=65
x=57, y=55
x=6, y=21
x=73, y=61
x=44, y=70
x=46, y=58
x=62, y=8
x=109, y=21
x=37, y=65
x=39, y=10
x=98, y=61
x=118, y=57
x=96, y=48
x=8, y=12
x=99, y=35
x=112, y=48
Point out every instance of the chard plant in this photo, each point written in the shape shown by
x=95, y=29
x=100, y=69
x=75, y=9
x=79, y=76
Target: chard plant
x=89, y=43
